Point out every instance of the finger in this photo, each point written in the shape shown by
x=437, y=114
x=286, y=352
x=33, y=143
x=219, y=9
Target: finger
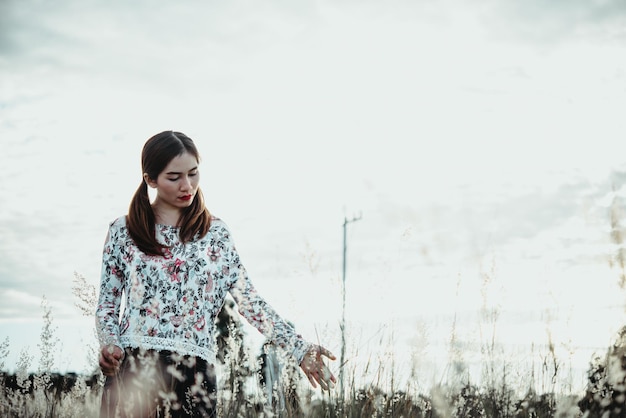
x=323, y=383
x=108, y=362
x=104, y=363
x=119, y=353
x=325, y=352
x=311, y=380
x=105, y=356
x=317, y=378
x=328, y=375
x=106, y=371
x=114, y=355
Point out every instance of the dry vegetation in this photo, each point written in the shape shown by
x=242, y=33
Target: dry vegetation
x=244, y=381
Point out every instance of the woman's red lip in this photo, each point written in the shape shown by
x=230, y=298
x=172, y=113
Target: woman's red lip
x=185, y=197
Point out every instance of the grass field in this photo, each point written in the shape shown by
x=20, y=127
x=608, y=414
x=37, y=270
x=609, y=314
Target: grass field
x=242, y=392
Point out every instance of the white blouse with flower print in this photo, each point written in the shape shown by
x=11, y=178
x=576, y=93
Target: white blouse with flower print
x=172, y=301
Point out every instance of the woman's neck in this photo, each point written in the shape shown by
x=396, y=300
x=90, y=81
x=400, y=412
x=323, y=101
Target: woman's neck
x=166, y=216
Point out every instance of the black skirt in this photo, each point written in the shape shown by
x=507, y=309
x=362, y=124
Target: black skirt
x=158, y=384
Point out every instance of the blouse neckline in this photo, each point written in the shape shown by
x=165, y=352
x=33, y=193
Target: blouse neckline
x=167, y=226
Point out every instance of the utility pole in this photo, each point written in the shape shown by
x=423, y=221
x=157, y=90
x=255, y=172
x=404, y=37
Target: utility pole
x=346, y=221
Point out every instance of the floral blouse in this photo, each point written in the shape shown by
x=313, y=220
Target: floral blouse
x=171, y=302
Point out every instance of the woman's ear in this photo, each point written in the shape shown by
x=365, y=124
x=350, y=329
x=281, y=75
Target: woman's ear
x=149, y=181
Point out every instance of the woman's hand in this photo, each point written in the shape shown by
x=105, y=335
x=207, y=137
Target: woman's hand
x=111, y=357
x=315, y=369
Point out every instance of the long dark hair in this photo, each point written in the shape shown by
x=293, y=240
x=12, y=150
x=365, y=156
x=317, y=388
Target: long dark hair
x=157, y=153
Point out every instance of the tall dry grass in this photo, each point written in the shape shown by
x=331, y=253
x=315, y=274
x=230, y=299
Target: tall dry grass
x=247, y=390
x=243, y=391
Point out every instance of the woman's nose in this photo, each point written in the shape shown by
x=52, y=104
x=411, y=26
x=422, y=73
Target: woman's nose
x=185, y=184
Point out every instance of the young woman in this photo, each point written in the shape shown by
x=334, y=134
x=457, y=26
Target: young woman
x=167, y=267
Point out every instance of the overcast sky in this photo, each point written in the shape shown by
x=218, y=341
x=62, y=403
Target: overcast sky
x=481, y=141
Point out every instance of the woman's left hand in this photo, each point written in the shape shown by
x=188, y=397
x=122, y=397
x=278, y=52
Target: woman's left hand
x=315, y=369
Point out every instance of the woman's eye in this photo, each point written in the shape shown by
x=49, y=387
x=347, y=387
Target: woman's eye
x=193, y=174
x=173, y=179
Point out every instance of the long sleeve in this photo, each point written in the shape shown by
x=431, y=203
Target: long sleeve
x=258, y=312
x=111, y=289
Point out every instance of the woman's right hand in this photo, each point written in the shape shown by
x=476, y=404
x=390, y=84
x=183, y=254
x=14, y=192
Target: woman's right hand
x=111, y=357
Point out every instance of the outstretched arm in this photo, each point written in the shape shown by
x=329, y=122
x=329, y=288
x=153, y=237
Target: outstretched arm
x=268, y=322
x=265, y=319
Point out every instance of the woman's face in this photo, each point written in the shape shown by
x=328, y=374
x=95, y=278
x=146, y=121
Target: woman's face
x=177, y=184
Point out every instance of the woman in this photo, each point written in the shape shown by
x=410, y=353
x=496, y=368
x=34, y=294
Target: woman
x=170, y=264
